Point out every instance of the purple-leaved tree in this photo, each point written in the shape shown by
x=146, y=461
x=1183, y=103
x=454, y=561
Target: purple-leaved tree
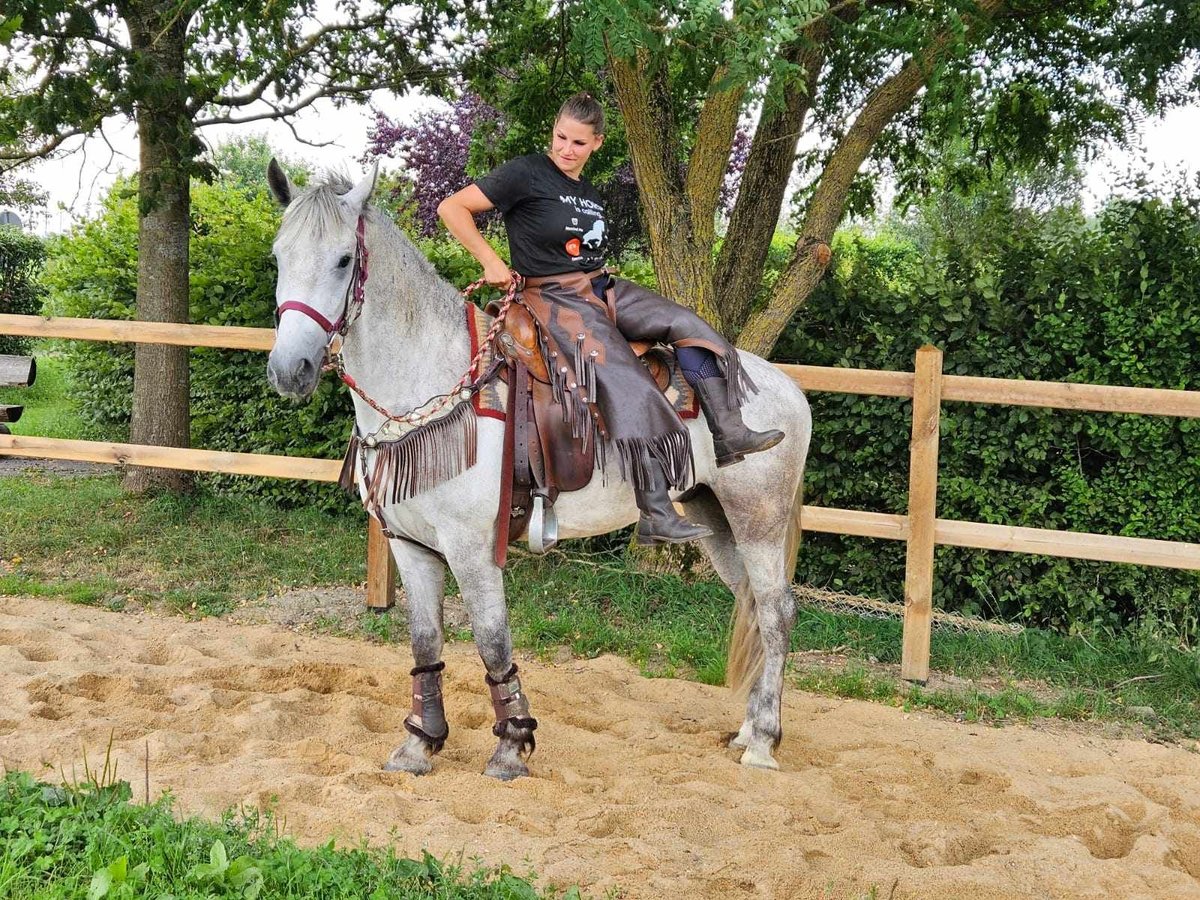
x=434, y=150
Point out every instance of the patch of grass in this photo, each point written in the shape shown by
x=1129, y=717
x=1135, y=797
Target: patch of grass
x=597, y=604
x=91, y=841
x=84, y=538
x=854, y=682
x=95, y=592
x=383, y=627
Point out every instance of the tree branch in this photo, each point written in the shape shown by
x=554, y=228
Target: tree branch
x=23, y=156
x=296, y=134
x=828, y=203
x=764, y=181
x=710, y=154
x=279, y=112
x=256, y=91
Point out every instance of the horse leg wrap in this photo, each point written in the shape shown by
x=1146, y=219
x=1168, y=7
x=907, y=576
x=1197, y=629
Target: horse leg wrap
x=511, y=708
x=428, y=717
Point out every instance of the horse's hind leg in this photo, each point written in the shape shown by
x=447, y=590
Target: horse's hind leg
x=424, y=575
x=482, y=586
x=761, y=538
x=726, y=559
x=775, y=611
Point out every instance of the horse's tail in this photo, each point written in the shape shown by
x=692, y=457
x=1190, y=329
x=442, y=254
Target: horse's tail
x=744, y=664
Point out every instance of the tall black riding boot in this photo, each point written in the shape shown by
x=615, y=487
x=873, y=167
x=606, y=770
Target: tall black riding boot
x=659, y=523
x=732, y=440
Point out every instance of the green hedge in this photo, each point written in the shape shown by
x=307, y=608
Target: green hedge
x=1009, y=293
x=21, y=259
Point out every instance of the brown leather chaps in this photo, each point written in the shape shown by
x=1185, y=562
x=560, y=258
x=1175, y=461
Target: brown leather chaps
x=586, y=320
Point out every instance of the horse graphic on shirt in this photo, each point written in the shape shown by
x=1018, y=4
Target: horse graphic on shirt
x=594, y=238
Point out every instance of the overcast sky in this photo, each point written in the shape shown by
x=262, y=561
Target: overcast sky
x=76, y=182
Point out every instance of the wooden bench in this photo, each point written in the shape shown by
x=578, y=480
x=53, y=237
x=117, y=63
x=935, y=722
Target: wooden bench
x=15, y=371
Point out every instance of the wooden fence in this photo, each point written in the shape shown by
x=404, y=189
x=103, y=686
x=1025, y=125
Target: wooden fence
x=928, y=388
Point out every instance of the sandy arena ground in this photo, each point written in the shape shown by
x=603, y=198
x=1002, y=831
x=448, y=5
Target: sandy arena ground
x=632, y=791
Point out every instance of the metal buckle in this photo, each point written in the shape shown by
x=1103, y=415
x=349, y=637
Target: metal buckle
x=543, y=525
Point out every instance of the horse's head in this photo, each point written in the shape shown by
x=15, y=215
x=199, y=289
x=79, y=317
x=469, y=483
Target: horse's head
x=316, y=251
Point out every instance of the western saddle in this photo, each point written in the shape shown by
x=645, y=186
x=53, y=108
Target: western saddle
x=541, y=458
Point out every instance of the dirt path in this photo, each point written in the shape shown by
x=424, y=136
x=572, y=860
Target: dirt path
x=633, y=790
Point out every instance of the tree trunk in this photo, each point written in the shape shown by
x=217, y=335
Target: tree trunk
x=161, y=415
x=763, y=188
x=682, y=261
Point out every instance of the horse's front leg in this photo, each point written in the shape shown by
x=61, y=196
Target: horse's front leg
x=482, y=586
x=424, y=576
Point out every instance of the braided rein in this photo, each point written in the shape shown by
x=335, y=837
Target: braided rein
x=464, y=389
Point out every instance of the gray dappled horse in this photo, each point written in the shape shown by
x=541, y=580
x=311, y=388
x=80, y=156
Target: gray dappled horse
x=408, y=344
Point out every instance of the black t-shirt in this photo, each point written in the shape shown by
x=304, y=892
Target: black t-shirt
x=555, y=224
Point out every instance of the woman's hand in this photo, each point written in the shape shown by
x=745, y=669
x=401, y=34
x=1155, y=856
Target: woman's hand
x=496, y=273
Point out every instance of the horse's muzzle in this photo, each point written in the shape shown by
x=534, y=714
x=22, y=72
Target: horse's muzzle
x=296, y=379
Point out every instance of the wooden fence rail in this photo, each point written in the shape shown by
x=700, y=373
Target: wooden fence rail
x=927, y=387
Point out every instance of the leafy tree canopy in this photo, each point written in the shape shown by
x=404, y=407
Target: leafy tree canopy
x=76, y=65
x=173, y=68
x=872, y=86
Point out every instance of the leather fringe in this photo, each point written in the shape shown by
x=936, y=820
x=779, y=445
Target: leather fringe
x=423, y=458
x=349, y=466
x=642, y=458
x=737, y=380
x=575, y=391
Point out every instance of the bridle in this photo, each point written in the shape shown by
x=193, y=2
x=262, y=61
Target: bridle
x=353, y=299
x=352, y=306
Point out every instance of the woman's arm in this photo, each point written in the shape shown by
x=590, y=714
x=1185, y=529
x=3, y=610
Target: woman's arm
x=458, y=212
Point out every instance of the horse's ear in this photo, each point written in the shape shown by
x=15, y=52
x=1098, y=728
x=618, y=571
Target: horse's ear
x=280, y=184
x=356, y=198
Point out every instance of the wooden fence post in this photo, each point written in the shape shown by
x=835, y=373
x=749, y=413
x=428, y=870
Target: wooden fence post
x=381, y=573
x=922, y=514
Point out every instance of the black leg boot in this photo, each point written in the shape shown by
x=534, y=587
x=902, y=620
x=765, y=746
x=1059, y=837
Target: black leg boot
x=659, y=523
x=732, y=440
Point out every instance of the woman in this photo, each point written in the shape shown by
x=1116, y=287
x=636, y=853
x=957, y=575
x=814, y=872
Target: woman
x=556, y=236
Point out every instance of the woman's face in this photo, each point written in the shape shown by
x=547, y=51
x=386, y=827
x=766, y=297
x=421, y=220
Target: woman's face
x=571, y=144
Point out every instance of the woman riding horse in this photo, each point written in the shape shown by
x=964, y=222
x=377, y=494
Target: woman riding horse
x=558, y=242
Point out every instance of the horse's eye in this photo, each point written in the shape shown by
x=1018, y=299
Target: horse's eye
x=344, y=261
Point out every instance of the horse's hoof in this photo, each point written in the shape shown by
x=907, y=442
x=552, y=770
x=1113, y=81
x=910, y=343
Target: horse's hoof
x=740, y=739
x=509, y=772
x=402, y=760
x=759, y=760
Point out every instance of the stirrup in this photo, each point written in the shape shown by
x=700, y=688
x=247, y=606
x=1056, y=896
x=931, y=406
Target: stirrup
x=543, y=525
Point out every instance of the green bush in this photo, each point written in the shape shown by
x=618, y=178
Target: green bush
x=21, y=258
x=1009, y=293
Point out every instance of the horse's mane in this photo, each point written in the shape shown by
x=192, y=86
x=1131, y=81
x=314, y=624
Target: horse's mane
x=316, y=209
